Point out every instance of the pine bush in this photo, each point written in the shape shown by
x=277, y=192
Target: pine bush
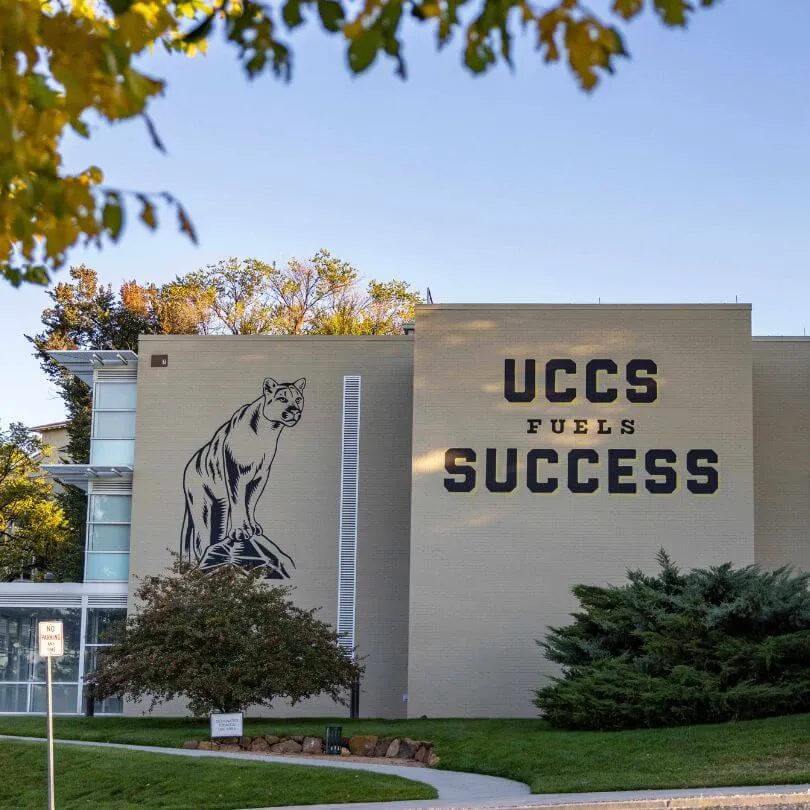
x=706, y=646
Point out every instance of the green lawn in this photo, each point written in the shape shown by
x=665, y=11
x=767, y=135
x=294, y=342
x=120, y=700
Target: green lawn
x=115, y=780
x=772, y=751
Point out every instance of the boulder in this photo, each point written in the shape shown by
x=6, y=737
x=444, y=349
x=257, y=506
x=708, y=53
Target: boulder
x=298, y=738
x=245, y=742
x=393, y=749
x=272, y=739
x=230, y=748
x=363, y=745
x=228, y=740
x=207, y=745
x=312, y=745
x=191, y=744
x=260, y=744
x=407, y=748
x=382, y=746
x=344, y=752
x=432, y=760
x=286, y=747
x=422, y=752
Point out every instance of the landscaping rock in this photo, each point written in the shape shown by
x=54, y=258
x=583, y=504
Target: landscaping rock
x=432, y=760
x=312, y=745
x=363, y=745
x=245, y=742
x=230, y=748
x=344, y=752
x=286, y=747
x=272, y=739
x=407, y=748
x=382, y=746
x=421, y=754
x=228, y=740
x=191, y=744
x=260, y=744
x=207, y=745
x=393, y=750
x=298, y=739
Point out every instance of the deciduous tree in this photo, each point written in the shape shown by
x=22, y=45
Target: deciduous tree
x=33, y=529
x=67, y=63
x=224, y=641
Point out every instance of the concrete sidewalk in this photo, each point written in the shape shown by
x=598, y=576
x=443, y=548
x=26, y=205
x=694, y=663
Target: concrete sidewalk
x=465, y=791
x=766, y=797
x=452, y=786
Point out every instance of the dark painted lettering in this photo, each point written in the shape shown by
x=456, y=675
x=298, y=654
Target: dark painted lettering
x=510, y=482
x=645, y=386
x=696, y=461
x=656, y=463
x=553, y=367
x=574, y=483
x=452, y=466
x=617, y=471
x=592, y=390
x=509, y=385
x=532, y=473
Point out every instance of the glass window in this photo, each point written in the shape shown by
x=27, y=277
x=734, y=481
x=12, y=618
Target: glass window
x=107, y=566
x=13, y=697
x=110, y=705
x=101, y=624
x=116, y=396
x=108, y=538
x=112, y=451
x=114, y=425
x=110, y=508
x=64, y=698
x=19, y=660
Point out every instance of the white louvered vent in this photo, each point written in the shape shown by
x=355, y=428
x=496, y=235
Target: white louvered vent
x=47, y=600
x=126, y=373
x=100, y=487
x=107, y=600
x=347, y=536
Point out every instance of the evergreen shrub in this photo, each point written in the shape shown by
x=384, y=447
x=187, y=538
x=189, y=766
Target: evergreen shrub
x=706, y=646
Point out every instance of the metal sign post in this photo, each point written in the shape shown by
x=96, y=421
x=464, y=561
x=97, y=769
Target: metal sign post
x=51, y=644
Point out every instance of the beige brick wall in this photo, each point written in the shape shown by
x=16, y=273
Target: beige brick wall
x=781, y=369
x=489, y=571
x=206, y=380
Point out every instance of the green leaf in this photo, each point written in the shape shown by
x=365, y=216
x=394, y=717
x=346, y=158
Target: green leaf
x=80, y=128
x=147, y=215
x=332, y=15
x=113, y=216
x=201, y=31
x=363, y=50
x=185, y=224
x=291, y=13
x=120, y=6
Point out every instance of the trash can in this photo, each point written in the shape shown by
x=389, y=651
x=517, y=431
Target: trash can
x=333, y=737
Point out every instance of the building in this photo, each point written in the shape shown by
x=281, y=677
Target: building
x=54, y=438
x=437, y=494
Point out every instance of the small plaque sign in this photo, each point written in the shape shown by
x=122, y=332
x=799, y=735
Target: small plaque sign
x=226, y=725
x=51, y=639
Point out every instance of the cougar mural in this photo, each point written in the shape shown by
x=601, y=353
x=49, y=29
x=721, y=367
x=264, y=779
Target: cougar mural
x=225, y=479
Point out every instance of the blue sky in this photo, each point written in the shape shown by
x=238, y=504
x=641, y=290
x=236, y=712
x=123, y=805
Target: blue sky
x=685, y=177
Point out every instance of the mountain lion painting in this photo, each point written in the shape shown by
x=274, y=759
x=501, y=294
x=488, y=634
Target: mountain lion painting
x=224, y=481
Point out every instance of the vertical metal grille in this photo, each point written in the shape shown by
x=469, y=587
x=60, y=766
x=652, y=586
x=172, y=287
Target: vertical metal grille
x=347, y=532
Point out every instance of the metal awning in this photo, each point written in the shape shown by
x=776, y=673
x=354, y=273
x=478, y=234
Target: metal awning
x=82, y=362
x=79, y=475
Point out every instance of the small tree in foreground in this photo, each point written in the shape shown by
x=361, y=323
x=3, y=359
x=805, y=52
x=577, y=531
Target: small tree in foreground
x=707, y=646
x=224, y=641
